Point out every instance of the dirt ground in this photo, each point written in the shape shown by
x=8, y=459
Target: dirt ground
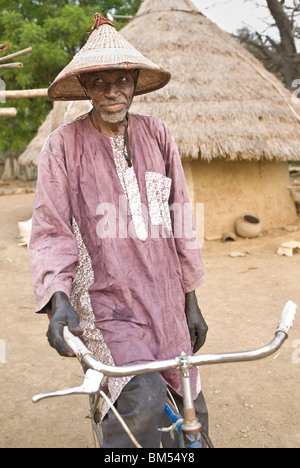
x=251, y=405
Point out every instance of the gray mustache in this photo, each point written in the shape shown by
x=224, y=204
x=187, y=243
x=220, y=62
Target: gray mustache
x=109, y=103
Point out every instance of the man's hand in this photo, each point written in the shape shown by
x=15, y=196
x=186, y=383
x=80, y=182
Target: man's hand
x=196, y=323
x=63, y=315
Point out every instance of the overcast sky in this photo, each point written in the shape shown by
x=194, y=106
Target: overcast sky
x=232, y=15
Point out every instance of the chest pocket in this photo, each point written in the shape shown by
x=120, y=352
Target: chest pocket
x=158, y=189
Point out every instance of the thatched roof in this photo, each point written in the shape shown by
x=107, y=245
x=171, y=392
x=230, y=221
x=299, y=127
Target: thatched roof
x=221, y=101
x=32, y=152
x=62, y=113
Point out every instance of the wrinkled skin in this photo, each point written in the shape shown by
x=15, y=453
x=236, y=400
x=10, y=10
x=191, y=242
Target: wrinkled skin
x=111, y=93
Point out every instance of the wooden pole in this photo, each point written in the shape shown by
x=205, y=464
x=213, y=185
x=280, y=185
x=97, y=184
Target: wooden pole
x=10, y=66
x=23, y=94
x=127, y=17
x=4, y=47
x=8, y=112
x=16, y=54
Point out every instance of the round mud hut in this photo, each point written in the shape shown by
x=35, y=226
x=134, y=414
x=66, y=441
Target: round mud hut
x=235, y=124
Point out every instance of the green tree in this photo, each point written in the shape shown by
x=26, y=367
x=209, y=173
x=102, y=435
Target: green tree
x=55, y=30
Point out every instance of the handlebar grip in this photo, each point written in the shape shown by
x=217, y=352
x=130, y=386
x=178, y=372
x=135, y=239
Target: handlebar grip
x=287, y=317
x=75, y=344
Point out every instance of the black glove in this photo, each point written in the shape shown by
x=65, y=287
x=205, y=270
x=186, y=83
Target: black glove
x=197, y=326
x=63, y=315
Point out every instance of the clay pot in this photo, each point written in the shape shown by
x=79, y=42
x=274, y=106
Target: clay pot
x=248, y=225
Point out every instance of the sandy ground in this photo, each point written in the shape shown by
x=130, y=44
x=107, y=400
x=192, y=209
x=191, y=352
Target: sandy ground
x=251, y=405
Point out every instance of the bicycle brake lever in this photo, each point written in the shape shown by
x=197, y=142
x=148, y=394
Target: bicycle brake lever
x=91, y=384
x=287, y=317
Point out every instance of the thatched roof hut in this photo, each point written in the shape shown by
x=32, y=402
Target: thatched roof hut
x=221, y=101
x=62, y=112
x=32, y=152
x=235, y=124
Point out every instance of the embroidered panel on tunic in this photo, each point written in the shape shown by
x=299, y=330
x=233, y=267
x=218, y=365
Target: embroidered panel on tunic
x=158, y=189
x=130, y=186
x=92, y=336
x=158, y=192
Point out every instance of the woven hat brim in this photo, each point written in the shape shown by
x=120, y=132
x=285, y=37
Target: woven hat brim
x=106, y=49
x=68, y=88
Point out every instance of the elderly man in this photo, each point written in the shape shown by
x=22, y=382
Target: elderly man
x=109, y=254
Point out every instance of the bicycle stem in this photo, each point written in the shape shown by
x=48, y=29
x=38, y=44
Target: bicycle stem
x=191, y=425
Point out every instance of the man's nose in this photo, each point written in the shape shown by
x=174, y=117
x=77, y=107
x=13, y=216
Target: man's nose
x=112, y=90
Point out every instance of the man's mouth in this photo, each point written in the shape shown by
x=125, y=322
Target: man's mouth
x=116, y=107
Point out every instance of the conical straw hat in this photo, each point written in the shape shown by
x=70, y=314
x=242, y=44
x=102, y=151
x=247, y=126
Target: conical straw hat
x=106, y=49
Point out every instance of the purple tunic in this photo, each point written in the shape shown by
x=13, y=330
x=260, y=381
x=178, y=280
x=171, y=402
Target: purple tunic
x=142, y=255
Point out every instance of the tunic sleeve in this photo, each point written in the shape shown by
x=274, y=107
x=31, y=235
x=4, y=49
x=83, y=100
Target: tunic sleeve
x=183, y=223
x=53, y=251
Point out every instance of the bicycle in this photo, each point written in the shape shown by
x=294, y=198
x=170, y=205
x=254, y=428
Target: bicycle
x=187, y=426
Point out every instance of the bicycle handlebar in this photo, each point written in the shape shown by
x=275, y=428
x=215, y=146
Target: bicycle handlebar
x=96, y=369
x=85, y=356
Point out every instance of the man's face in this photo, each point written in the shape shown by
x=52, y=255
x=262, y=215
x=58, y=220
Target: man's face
x=111, y=92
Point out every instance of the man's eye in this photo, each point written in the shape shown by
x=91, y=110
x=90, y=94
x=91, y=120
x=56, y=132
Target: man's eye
x=99, y=82
x=123, y=79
